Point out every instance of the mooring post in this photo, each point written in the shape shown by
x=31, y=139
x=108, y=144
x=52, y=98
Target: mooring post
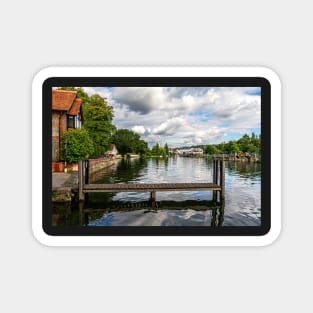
x=87, y=172
x=81, y=195
x=153, y=196
x=214, y=195
x=213, y=220
x=86, y=176
x=215, y=178
x=221, y=215
x=222, y=178
x=214, y=172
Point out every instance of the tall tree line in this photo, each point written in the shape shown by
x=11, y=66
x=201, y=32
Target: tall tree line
x=250, y=144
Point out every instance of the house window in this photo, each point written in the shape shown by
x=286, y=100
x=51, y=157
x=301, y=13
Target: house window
x=74, y=121
x=78, y=121
x=70, y=121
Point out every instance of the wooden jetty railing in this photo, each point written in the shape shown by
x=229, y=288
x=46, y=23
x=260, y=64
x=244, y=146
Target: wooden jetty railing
x=218, y=184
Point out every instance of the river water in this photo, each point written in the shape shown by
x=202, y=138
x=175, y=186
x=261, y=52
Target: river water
x=242, y=206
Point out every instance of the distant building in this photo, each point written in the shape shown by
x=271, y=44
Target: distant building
x=197, y=151
x=66, y=114
x=190, y=152
x=112, y=152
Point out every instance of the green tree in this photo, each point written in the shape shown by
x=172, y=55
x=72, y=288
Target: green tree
x=98, y=117
x=141, y=147
x=256, y=142
x=211, y=149
x=222, y=147
x=232, y=147
x=156, y=149
x=76, y=145
x=127, y=141
x=243, y=143
x=252, y=148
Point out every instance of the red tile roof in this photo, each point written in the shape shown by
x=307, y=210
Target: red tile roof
x=65, y=100
x=75, y=109
x=62, y=100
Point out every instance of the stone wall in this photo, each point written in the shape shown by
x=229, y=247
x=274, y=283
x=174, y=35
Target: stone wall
x=96, y=165
x=107, y=170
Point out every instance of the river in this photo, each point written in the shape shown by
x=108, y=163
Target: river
x=242, y=205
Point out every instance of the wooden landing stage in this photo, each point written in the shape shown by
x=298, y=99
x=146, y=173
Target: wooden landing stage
x=218, y=184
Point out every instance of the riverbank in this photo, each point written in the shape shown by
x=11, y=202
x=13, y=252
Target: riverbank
x=65, y=185
x=60, y=180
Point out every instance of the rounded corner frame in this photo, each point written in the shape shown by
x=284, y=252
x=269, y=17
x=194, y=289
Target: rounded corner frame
x=262, y=240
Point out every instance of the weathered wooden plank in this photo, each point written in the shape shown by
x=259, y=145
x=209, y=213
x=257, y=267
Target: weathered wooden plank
x=154, y=186
x=150, y=187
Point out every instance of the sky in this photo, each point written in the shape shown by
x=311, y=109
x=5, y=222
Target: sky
x=185, y=116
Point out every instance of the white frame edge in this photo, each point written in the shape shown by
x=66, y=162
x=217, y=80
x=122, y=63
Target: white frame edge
x=45, y=239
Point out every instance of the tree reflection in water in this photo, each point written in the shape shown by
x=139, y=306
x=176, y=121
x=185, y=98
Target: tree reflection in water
x=242, y=196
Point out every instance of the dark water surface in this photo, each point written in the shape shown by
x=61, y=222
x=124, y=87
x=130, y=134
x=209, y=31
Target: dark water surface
x=242, y=205
x=189, y=208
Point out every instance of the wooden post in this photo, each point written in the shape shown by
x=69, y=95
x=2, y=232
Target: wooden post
x=222, y=178
x=86, y=176
x=87, y=172
x=215, y=167
x=153, y=196
x=213, y=220
x=81, y=195
x=221, y=215
x=213, y=170
x=217, y=173
x=214, y=195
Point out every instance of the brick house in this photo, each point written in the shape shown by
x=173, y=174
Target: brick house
x=66, y=114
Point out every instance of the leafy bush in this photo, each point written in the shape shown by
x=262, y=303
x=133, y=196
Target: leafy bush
x=79, y=145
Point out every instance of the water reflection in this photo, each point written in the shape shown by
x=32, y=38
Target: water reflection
x=245, y=169
x=165, y=213
x=242, y=205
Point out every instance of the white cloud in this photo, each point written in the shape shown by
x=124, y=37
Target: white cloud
x=169, y=127
x=138, y=129
x=140, y=99
x=184, y=115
